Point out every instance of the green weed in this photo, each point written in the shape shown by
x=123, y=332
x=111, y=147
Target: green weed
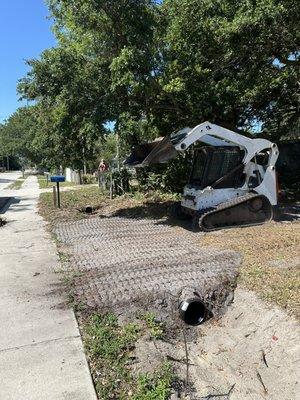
x=156, y=328
x=156, y=386
x=109, y=348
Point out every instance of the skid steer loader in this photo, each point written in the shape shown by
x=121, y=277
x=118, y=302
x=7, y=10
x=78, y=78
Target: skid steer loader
x=233, y=178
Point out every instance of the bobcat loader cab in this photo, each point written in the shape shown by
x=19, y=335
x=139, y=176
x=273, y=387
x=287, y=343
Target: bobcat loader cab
x=233, y=178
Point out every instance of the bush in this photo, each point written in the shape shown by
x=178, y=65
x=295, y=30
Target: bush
x=170, y=177
x=121, y=181
x=88, y=179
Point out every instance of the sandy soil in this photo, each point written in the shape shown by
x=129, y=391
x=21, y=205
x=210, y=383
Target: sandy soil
x=251, y=346
x=251, y=353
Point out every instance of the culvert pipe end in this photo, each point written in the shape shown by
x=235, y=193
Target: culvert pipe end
x=88, y=209
x=192, y=311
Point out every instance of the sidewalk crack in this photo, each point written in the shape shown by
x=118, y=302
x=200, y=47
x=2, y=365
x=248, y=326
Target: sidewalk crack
x=38, y=343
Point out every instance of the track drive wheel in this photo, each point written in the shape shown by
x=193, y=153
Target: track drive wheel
x=196, y=222
x=177, y=211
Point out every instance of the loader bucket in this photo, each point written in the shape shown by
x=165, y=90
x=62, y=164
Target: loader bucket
x=140, y=153
x=158, y=152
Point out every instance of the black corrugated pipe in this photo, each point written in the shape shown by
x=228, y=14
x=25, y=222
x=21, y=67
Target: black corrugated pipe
x=192, y=310
x=88, y=209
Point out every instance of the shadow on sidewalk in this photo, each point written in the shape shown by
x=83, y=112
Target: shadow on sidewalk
x=6, y=202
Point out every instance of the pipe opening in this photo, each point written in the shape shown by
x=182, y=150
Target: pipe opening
x=192, y=311
x=88, y=209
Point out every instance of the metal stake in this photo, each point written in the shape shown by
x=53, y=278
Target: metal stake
x=54, y=196
x=58, y=195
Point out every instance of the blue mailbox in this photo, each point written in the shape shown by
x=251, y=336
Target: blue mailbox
x=57, y=178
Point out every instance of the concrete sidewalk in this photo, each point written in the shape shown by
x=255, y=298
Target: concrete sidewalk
x=41, y=352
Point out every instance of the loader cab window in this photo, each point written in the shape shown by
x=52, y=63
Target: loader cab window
x=214, y=163
x=198, y=169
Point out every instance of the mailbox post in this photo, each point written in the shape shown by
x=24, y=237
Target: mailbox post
x=57, y=179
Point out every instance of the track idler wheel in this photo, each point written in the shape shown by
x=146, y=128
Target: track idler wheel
x=256, y=204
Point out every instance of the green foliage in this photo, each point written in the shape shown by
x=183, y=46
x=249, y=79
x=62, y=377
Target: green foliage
x=107, y=340
x=121, y=181
x=156, y=386
x=151, y=68
x=170, y=177
x=234, y=62
x=17, y=136
x=107, y=148
x=109, y=347
x=156, y=327
x=89, y=179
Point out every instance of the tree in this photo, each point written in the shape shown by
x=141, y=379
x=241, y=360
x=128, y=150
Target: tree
x=233, y=62
x=154, y=67
x=17, y=135
x=99, y=71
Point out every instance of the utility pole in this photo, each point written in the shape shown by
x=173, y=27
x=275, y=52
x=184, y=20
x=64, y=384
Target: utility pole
x=7, y=163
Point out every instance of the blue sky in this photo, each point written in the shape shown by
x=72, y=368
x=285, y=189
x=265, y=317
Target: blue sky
x=24, y=33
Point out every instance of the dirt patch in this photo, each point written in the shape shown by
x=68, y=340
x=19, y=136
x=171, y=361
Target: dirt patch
x=252, y=342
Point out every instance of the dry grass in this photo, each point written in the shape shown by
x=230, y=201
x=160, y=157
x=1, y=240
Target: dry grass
x=72, y=202
x=271, y=260
x=17, y=184
x=154, y=204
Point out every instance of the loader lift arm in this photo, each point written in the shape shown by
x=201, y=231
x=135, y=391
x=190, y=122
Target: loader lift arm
x=215, y=135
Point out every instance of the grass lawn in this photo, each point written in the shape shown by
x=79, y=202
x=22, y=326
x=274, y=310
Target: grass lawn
x=73, y=201
x=17, y=184
x=271, y=260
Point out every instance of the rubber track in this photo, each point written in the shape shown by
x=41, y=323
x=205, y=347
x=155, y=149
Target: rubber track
x=223, y=206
